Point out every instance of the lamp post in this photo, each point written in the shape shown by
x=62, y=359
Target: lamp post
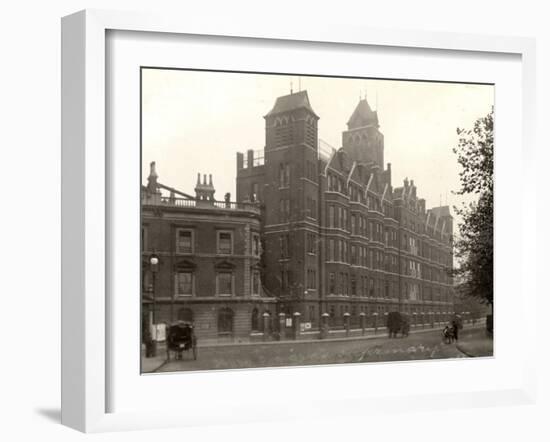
x=154, y=261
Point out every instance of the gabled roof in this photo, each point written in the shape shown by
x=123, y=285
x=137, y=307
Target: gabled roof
x=441, y=211
x=340, y=161
x=286, y=103
x=374, y=183
x=363, y=115
x=398, y=192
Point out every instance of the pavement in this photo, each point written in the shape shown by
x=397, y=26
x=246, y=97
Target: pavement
x=149, y=365
x=421, y=345
x=476, y=343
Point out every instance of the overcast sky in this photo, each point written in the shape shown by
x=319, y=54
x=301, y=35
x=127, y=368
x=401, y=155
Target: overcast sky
x=196, y=122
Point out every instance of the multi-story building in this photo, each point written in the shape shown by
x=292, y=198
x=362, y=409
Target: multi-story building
x=208, y=269
x=338, y=237
x=315, y=231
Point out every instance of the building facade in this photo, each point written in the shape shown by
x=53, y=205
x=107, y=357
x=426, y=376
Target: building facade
x=316, y=235
x=208, y=270
x=339, y=238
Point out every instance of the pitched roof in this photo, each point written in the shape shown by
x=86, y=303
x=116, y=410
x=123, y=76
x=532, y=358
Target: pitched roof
x=363, y=115
x=290, y=102
x=441, y=211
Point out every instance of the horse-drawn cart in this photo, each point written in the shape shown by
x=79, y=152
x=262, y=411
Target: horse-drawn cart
x=181, y=337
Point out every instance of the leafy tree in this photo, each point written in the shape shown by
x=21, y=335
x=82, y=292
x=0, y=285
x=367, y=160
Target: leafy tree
x=474, y=247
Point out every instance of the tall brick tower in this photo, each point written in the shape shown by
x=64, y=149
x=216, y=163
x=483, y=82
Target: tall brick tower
x=291, y=192
x=363, y=140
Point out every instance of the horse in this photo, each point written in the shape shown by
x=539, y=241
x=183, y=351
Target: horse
x=449, y=334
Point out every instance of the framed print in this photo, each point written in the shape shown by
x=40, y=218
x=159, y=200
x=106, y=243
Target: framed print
x=275, y=222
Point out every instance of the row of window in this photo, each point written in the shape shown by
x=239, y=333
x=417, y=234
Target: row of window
x=337, y=251
x=186, y=243
x=225, y=315
x=284, y=173
x=342, y=283
x=359, y=225
x=355, y=310
x=284, y=209
x=225, y=283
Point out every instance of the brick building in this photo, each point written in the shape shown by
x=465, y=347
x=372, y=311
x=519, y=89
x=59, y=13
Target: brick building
x=209, y=262
x=314, y=231
x=338, y=238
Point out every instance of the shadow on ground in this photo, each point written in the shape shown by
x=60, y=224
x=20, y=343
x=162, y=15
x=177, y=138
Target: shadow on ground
x=51, y=414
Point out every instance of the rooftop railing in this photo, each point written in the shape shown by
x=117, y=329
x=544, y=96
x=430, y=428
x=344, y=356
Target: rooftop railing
x=205, y=204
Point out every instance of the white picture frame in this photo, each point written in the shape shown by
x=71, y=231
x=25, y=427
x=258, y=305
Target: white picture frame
x=86, y=216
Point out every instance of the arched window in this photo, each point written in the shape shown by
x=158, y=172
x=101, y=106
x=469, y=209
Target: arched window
x=185, y=314
x=225, y=321
x=255, y=319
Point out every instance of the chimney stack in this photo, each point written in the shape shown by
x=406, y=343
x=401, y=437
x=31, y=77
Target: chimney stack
x=152, y=185
x=204, y=191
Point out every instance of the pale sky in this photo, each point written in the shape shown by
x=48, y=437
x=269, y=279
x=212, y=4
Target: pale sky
x=196, y=122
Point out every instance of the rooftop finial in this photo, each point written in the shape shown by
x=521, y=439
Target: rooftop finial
x=153, y=169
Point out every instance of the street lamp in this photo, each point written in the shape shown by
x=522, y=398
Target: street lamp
x=154, y=261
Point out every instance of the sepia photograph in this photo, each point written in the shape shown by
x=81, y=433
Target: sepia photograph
x=296, y=220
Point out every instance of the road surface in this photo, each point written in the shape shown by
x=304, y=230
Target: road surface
x=418, y=346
